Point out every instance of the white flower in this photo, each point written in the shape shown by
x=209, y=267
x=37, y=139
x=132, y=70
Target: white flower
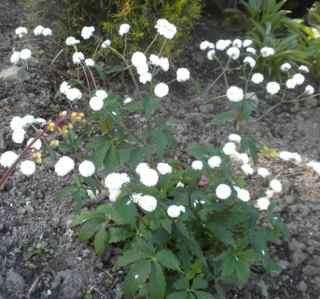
x=251, y=50
x=237, y=43
x=77, y=57
x=164, y=168
x=257, y=78
x=243, y=194
x=28, y=167
x=273, y=88
x=96, y=103
x=235, y=138
x=291, y=84
x=115, y=180
x=233, y=53
x=106, y=44
x=114, y=194
x=249, y=60
x=73, y=94
x=87, y=32
x=287, y=156
x=183, y=74
x=15, y=57
x=64, y=165
x=142, y=69
x=135, y=197
x=247, y=169
x=309, y=90
x=8, y=158
x=267, y=51
x=142, y=167
x=166, y=29
x=138, y=58
x=47, y=32
x=21, y=31
x=38, y=30
x=263, y=203
x=71, y=41
x=211, y=54
x=102, y=94
x=147, y=203
x=180, y=185
x=25, y=54
x=64, y=87
x=197, y=165
x=269, y=193
x=229, y=148
x=18, y=135
x=175, y=211
x=204, y=45
x=243, y=157
x=214, y=161
x=285, y=67
x=16, y=123
x=164, y=63
x=298, y=78
x=247, y=43
x=127, y=100
x=304, y=68
x=89, y=62
x=87, y=168
x=315, y=166
x=223, y=191
x=235, y=94
x=36, y=145
x=222, y=44
x=263, y=172
x=149, y=177
x=276, y=186
x=146, y=77
x=124, y=29
x=161, y=90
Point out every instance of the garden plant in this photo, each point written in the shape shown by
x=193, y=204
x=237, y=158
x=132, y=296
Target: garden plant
x=187, y=223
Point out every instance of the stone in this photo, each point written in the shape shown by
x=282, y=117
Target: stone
x=302, y=286
x=14, y=282
x=11, y=73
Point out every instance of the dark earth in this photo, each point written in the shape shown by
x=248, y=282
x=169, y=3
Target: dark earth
x=41, y=258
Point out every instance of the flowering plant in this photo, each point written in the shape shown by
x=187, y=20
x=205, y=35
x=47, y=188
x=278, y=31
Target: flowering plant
x=185, y=227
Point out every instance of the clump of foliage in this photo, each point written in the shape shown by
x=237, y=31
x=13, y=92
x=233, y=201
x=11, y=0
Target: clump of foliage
x=72, y=15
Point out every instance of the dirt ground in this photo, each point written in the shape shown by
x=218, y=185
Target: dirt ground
x=40, y=257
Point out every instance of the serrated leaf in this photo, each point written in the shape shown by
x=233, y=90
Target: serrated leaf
x=178, y=295
x=118, y=234
x=138, y=274
x=168, y=260
x=129, y=256
x=89, y=229
x=150, y=105
x=124, y=213
x=101, y=241
x=157, y=283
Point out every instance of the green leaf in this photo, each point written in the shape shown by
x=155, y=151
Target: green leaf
x=100, y=150
x=112, y=159
x=222, y=233
x=100, y=71
x=222, y=118
x=168, y=260
x=89, y=229
x=138, y=274
x=118, y=234
x=150, y=105
x=181, y=284
x=129, y=256
x=199, y=283
x=178, y=295
x=124, y=213
x=204, y=295
x=202, y=151
x=100, y=241
x=157, y=282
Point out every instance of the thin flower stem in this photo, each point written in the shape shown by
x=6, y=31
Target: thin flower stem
x=10, y=171
x=151, y=44
x=129, y=69
x=86, y=76
x=56, y=57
